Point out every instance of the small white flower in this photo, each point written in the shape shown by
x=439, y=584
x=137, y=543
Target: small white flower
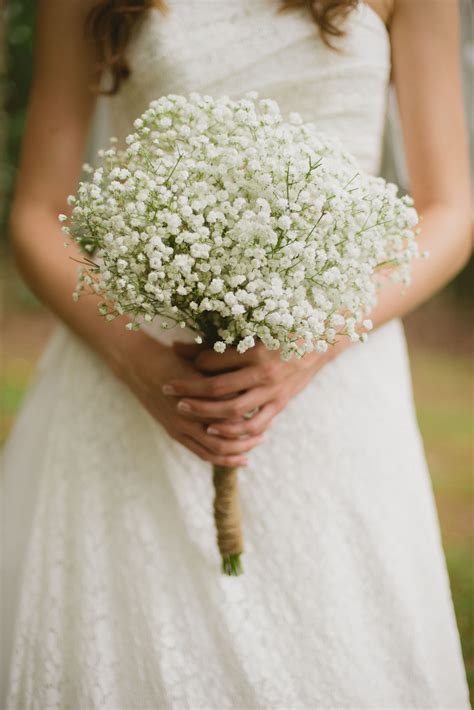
x=238, y=309
x=284, y=222
x=216, y=285
x=219, y=346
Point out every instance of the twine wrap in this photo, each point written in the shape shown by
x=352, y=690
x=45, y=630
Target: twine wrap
x=227, y=517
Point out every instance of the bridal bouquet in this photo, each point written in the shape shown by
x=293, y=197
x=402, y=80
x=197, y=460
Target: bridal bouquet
x=227, y=219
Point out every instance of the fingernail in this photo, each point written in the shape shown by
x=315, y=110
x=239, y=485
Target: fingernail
x=168, y=389
x=211, y=430
x=244, y=436
x=184, y=407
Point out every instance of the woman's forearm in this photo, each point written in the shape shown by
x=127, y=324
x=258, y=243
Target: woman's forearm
x=446, y=234
x=49, y=269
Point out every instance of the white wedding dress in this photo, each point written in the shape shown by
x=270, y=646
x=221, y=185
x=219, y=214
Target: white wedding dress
x=113, y=597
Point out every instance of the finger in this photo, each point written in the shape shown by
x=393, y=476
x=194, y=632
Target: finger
x=188, y=351
x=259, y=423
x=220, y=445
x=205, y=455
x=219, y=385
x=211, y=361
x=232, y=408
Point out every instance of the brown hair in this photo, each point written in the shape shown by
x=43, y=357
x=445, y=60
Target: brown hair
x=110, y=24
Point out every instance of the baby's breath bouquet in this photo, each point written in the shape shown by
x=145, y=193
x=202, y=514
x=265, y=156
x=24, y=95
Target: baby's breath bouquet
x=227, y=219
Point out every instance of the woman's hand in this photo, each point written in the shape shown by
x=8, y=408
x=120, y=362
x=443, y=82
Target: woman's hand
x=257, y=379
x=145, y=367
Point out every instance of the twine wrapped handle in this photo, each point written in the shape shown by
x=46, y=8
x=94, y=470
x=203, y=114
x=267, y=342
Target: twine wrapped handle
x=227, y=518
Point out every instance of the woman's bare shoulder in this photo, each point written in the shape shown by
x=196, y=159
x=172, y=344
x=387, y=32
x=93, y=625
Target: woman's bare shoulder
x=383, y=8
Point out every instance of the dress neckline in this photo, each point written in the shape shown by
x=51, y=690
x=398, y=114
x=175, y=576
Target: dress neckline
x=362, y=5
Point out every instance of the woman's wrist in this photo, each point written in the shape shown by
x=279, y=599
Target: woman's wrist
x=119, y=347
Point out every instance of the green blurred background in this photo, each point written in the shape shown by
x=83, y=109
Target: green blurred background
x=440, y=335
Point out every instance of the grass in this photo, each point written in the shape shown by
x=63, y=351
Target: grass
x=443, y=394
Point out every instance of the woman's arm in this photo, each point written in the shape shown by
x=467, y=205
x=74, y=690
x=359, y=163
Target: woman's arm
x=58, y=118
x=427, y=78
x=425, y=49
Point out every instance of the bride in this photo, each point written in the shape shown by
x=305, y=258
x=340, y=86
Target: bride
x=112, y=595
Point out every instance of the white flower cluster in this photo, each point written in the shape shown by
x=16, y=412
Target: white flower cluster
x=236, y=223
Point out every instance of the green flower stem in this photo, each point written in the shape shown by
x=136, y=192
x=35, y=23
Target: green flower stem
x=232, y=565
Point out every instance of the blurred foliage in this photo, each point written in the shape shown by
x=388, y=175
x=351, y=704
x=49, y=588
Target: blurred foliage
x=18, y=23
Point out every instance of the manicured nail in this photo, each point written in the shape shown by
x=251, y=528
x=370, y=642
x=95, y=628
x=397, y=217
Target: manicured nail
x=168, y=389
x=244, y=436
x=184, y=407
x=211, y=430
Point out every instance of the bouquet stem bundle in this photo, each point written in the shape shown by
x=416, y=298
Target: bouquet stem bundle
x=227, y=518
